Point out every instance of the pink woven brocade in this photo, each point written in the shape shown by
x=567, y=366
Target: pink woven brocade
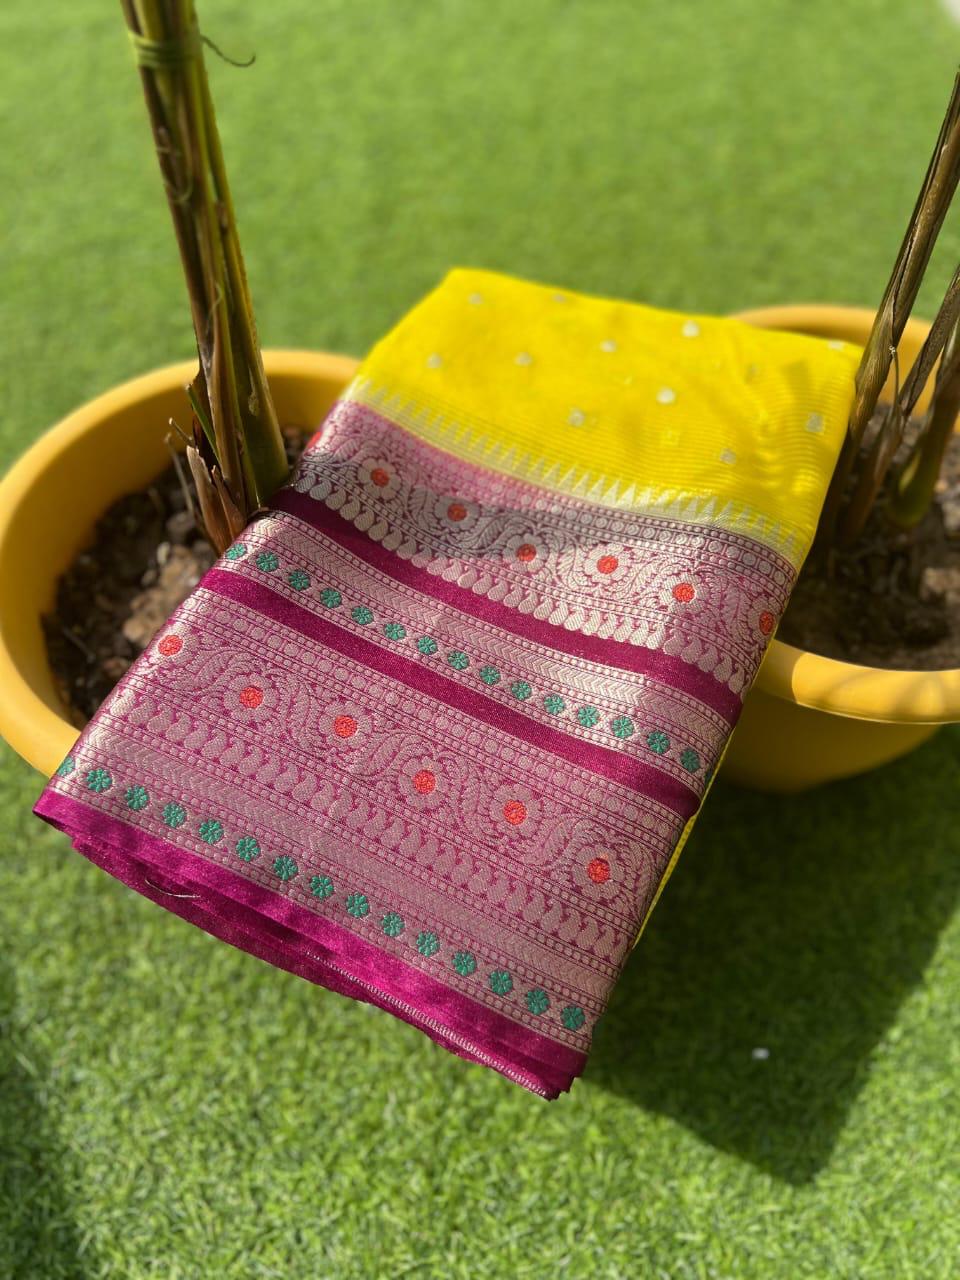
x=428, y=735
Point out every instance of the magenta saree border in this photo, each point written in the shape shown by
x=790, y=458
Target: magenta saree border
x=649, y=662
x=607, y=763
x=279, y=931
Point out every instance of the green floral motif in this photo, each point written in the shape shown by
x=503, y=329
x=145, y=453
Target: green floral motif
x=321, y=886
x=554, y=704
x=66, y=767
x=174, y=815
x=267, y=561
x=490, y=675
x=357, y=905
x=458, y=660
x=237, y=551
x=658, y=742
x=99, y=780
x=395, y=631
x=428, y=944
x=465, y=963
x=690, y=760
x=298, y=580
x=137, y=798
x=573, y=1017
x=588, y=716
x=501, y=983
x=392, y=924
x=247, y=848
x=521, y=690
x=537, y=1000
x=708, y=776
x=427, y=646
x=331, y=597
x=362, y=614
x=285, y=867
x=622, y=727
x=211, y=831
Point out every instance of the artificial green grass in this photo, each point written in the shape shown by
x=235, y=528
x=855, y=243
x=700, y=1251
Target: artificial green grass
x=172, y=1108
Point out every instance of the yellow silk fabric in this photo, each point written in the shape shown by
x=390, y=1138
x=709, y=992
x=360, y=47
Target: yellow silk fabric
x=691, y=417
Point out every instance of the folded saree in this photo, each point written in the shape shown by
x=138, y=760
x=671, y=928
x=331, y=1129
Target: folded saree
x=432, y=732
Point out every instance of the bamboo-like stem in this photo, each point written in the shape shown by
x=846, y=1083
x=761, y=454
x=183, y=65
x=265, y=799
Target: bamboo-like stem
x=268, y=459
x=242, y=453
x=875, y=468
x=221, y=373
x=145, y=22
x=167, y=89
x=917, y=478
x=936, y=194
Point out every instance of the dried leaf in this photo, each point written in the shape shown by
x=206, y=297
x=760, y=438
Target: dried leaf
x=233, y=516
x=211, y=508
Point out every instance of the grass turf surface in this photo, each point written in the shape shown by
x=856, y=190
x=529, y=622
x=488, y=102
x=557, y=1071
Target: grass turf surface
x=172, y=1108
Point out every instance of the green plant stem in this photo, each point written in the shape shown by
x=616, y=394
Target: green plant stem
x=261, y=443
x=231, y=397
x=917, y=479
x=936, y=194
x=220, y=371
x=875, y=468
x=264, y=442
x=181, y=150
x=144, y=20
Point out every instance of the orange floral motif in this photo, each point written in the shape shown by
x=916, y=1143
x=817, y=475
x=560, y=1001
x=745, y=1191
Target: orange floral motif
x=515, y=812
x=598, y=869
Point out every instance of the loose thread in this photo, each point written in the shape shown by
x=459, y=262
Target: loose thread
x=167, y=892
x=233, y=62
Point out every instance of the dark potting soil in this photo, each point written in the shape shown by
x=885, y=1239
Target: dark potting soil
x=891, y=601
x=146, y=556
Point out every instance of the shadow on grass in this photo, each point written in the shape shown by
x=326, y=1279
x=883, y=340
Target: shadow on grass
x=796, y=925
x=38, y=1238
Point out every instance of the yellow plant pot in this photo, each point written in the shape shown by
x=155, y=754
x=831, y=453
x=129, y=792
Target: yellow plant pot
x=809, y=719
x=51, y=499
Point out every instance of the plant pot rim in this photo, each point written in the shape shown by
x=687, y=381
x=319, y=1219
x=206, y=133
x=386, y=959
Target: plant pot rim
x=30, y=465
x=828, y=684
x=30, y=725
